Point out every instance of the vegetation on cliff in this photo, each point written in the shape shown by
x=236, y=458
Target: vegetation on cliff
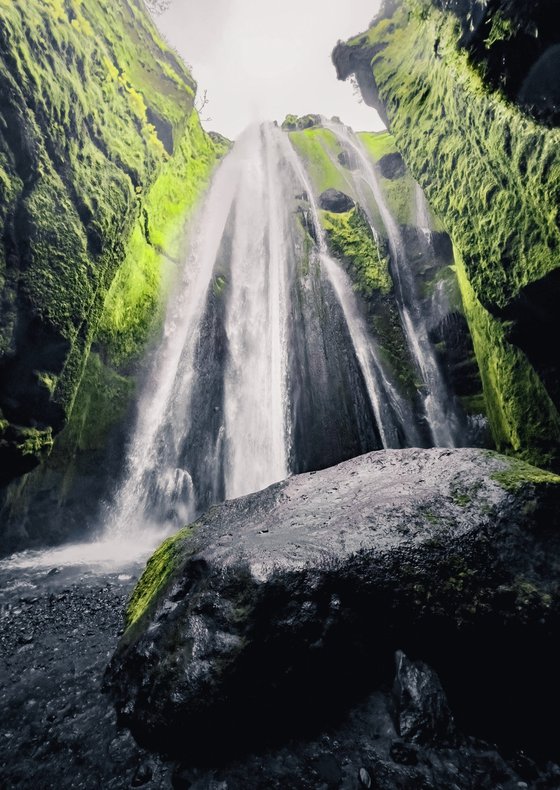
x=493, y=176
x=101, y=158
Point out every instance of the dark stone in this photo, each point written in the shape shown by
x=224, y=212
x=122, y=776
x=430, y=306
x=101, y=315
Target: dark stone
x=335, y=201
x=423, y=714
x=453, y=554
x=392, y=166
x=403, y=753
x=142, y=775
x=328, y=769
x=348, y=159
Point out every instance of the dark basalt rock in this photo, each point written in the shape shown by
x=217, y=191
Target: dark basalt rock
x=348, y=159
x=392, y=166
x=423, y=714
x=276, y=609
x=335, y=201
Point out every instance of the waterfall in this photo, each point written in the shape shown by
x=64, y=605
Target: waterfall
x=392, y=414
x=256, y=327
x=443, y=422
x=267, y=363
x=209, y=426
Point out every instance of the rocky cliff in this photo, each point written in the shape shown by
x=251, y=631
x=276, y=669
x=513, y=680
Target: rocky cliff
x=466, y=90
x=101, y=159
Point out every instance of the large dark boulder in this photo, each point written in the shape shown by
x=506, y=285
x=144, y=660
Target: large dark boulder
x=277, y=608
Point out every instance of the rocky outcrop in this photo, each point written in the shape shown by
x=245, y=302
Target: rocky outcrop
x=275, y=607
x=443, y=75
x=101, y=159
x=359, y=239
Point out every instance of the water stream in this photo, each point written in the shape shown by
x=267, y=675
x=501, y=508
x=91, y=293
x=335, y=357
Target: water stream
x=441, y=418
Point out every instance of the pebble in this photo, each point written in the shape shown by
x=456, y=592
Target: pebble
x=365, y=778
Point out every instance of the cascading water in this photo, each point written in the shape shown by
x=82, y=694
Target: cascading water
x=213, y=422
x=267, y=365
x=392, y=414
x=256, y=327
x=443, y=421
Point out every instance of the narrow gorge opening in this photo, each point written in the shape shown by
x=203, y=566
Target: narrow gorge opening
x=279, y=426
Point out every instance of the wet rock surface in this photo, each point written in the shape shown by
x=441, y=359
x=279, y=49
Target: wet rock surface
x=57, y=729
x=335, y=201
x=285, y=607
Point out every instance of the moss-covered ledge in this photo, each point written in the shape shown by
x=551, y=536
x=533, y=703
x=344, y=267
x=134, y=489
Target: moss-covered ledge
x=101, y=158
x=492, y=173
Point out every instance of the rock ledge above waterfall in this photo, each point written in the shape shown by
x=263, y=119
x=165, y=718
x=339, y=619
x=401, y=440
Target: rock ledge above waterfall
x=276, y=608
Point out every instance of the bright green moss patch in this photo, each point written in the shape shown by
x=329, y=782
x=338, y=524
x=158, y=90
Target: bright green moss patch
x=319, y=150
x=158, y=571
x=378, y=144
x=522, y=417
x=493, y=177
x=519, y=473
x=351, y=239
x=134, y=304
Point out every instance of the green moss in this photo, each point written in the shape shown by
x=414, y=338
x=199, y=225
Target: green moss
x=519, y=473
x=378, y=144
x=219, y=285
x=501, y=29
x=102, y=400
x=522, y=417
x=493, y=177
x=134, y=304
x=399, y=192
x=319, y=150
x=158, y=571
x=113, y=158
x=350, y=237
x=32, y=441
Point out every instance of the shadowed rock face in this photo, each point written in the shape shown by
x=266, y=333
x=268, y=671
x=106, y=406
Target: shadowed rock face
x=279, y=607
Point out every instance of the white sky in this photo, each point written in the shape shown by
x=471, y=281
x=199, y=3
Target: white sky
x=261, y=60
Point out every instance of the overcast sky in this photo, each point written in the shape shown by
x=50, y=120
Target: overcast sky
x=261, y=60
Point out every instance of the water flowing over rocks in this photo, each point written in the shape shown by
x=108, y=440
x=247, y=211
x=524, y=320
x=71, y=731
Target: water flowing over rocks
x=280, y=608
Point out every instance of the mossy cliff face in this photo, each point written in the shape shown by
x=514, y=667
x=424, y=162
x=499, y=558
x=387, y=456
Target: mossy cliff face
x=102, y=157
x=492, y=173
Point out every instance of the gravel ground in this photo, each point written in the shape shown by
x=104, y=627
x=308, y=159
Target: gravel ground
x=58, y=630
x=58, y=730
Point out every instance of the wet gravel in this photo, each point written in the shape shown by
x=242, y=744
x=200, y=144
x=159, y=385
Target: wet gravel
x=58, y=730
